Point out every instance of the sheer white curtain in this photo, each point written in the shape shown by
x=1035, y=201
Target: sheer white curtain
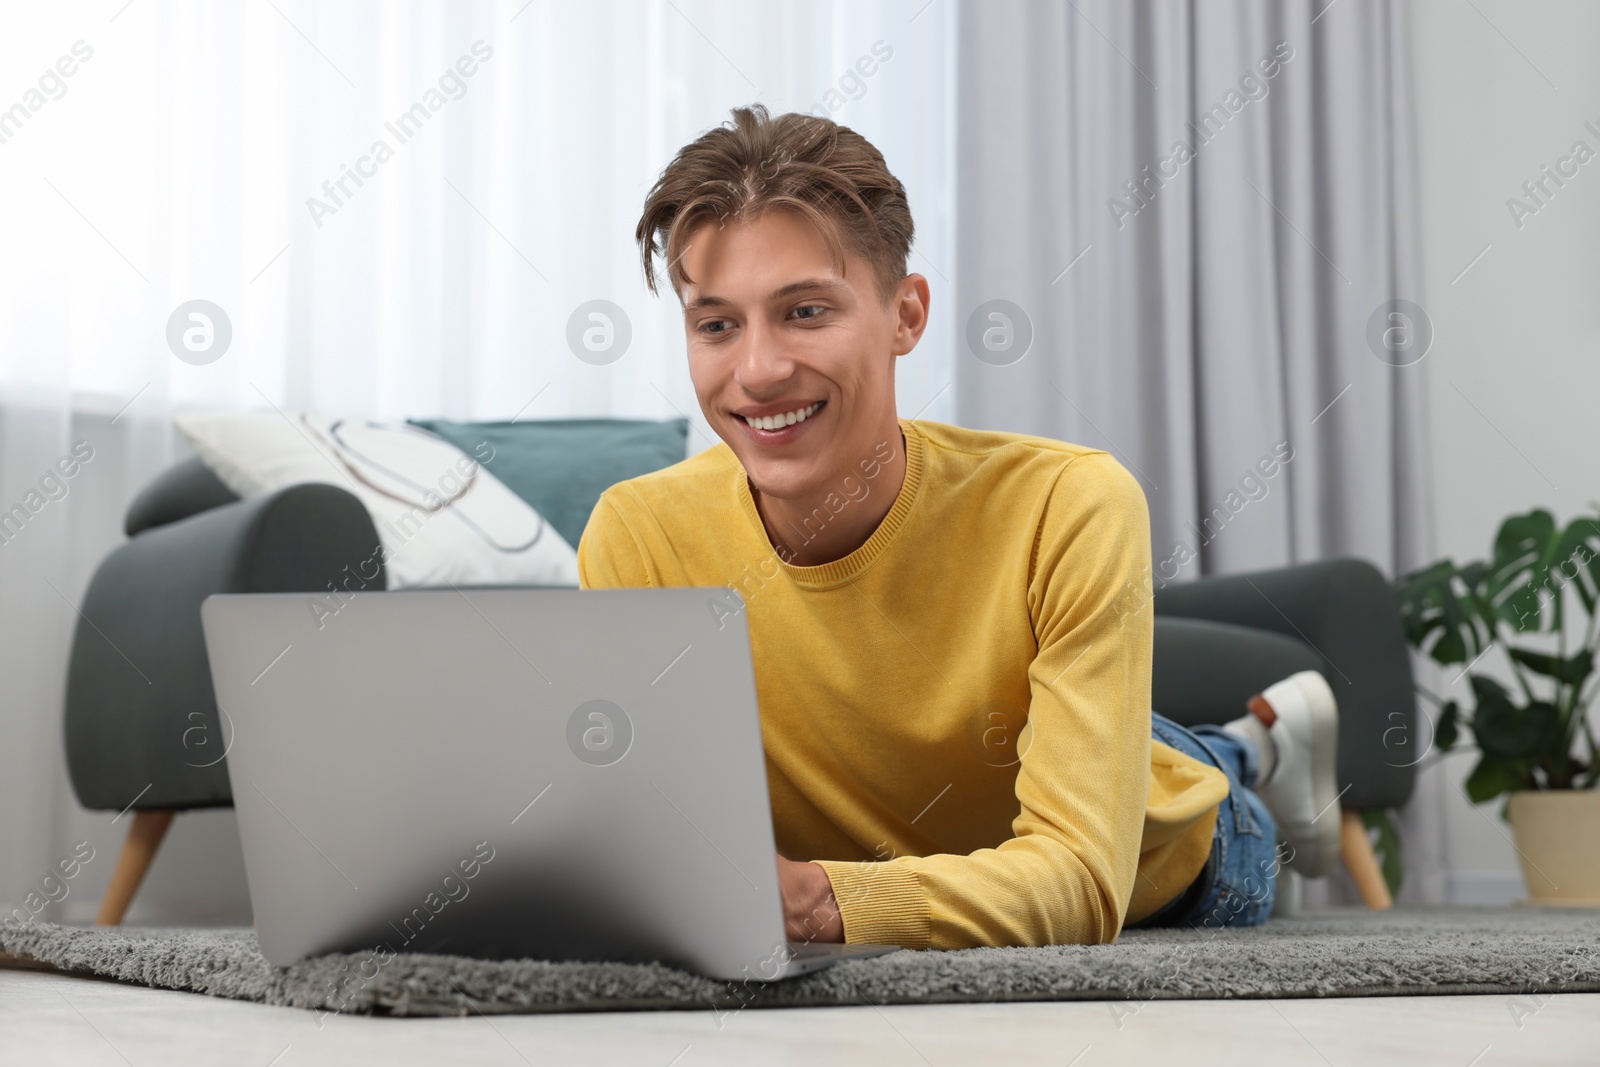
x=217, y=152
x=185, y=158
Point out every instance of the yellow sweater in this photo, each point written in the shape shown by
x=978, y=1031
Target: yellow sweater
x=956, y=715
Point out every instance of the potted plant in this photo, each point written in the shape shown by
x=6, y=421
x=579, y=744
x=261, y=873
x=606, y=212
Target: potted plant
x=1534, y=738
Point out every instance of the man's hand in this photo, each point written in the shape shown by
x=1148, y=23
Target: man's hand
x=809, y=910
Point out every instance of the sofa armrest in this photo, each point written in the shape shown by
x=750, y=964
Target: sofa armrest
x=1345, y=611
x=186, y=488
x=140, y=709
x=1205, y=672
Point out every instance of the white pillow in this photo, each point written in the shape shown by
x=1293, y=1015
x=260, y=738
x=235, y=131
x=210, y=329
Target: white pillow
x=442, y=517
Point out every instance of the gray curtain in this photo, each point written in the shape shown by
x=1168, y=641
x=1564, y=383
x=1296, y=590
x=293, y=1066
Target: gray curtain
x=1204, y=212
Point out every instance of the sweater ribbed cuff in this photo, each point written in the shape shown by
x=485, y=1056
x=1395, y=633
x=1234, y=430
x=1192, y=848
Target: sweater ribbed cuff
x=880, y=903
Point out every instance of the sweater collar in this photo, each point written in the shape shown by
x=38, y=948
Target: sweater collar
x=850, y=567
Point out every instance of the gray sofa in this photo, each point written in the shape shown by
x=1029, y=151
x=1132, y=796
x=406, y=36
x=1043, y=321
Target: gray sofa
x=141, y=722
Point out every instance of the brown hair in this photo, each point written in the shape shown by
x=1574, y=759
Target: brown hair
x=827, y=173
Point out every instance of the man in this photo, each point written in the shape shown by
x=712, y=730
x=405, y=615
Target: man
x=954, y=693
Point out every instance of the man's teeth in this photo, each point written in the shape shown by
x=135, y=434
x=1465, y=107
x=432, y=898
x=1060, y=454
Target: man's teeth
x=789, y=418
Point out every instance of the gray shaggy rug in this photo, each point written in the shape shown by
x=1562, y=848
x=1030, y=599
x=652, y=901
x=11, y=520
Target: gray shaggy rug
x=1335, y=953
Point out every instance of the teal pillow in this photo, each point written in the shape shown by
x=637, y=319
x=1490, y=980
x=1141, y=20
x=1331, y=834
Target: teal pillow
x=561, y=466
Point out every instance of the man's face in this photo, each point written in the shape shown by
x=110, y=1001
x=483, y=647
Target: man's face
x=775, y=332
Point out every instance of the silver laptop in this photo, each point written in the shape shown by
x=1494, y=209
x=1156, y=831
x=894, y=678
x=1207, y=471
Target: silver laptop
x=558, y=774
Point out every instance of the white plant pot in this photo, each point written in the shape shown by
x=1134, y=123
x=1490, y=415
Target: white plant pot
x=1557, y=834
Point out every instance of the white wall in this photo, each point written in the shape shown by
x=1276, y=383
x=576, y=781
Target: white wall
x=1503, y=88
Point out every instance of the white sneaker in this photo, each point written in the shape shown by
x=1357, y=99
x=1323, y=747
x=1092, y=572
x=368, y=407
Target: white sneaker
x=1303, y=791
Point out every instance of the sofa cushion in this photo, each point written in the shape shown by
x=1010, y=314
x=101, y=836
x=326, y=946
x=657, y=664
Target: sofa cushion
x=561, y=466
x=442, y=519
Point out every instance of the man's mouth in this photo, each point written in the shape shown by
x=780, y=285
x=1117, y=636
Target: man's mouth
x=781, y=419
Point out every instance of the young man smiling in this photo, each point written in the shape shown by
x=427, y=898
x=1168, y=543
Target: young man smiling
x=960, y=745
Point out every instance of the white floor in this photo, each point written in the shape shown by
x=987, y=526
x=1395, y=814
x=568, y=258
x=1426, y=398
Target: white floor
x=47, y=1020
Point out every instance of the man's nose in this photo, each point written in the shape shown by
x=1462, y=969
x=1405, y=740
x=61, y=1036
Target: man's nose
x=764, y=364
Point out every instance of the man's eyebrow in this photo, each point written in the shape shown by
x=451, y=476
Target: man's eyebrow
x=807, y=285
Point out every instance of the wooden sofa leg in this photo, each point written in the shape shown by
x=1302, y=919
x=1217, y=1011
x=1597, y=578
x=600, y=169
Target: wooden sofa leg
x=144, y=837
x=1362, y=863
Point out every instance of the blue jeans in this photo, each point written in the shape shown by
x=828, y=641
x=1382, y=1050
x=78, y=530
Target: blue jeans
x=1239, y=882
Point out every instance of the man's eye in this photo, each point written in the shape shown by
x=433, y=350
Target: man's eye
x=818, y=308
x=716, y=327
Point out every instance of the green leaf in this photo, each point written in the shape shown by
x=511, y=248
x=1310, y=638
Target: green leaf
x=1449, y=649
x=1523, y=550
x=1448, y=730
x=1484, y=687
x=1387, y=846
x=1415, y=594
x=1432, y=607
x=1576, y=560
x=1569, y=671
x=1505, y=730
x=1474, y=579
x=1493, y=776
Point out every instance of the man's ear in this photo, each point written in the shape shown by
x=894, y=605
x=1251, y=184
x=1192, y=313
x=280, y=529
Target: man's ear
x=911, y=307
